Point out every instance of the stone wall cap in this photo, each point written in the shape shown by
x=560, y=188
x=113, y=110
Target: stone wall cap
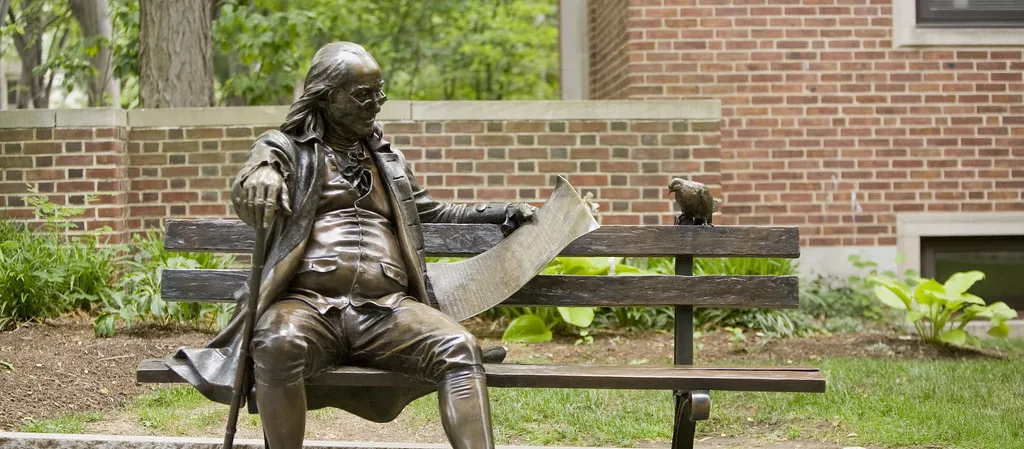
x=28, y=118
x=202, y=117
x=687, y=109
x=91, y=118
x=237, y=116
x=691, y=109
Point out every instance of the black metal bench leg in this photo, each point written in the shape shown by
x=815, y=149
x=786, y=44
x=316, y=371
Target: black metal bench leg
x=691, y=406
x=682, y=434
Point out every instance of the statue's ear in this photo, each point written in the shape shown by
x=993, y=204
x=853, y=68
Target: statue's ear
x=715, y=203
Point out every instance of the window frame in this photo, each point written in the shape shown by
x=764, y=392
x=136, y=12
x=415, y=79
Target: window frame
x=928, y=18
x=908, y=32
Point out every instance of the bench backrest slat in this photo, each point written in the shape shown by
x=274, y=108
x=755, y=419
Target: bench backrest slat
x=591, y=291
x=233, y=236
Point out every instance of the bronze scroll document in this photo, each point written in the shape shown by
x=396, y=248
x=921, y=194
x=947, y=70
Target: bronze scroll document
x=471, y=286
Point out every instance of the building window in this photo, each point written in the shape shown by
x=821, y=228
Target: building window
x=1001, y=258
x=946, y=23
x=970, y=13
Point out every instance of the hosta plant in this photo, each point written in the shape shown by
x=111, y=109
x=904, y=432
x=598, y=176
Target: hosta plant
x=940, y=312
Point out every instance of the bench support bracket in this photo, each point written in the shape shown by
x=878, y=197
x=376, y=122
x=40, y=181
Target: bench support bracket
x=700, y=405
x=691, y=406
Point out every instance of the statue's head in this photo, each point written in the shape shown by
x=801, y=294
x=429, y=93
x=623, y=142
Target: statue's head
x=342, y=93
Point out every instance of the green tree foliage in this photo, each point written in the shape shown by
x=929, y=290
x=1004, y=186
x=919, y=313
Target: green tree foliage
x=51, y=45
x=429, y=50
x=47, y=42
x=125, y=17
x=456, y=49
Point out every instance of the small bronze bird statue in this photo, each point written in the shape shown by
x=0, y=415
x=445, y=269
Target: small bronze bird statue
x=695, y=203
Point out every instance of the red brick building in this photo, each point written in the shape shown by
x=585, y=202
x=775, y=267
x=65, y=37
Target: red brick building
x=894, y=124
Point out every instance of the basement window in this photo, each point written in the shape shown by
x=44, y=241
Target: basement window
x=1001, y=258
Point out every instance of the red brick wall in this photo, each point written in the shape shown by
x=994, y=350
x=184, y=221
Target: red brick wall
x=609, y=48
x=158, y=173
x=66, y=165
x=818, y=107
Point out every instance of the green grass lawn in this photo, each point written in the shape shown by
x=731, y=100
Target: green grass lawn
x=975, y=404
x=972, y=404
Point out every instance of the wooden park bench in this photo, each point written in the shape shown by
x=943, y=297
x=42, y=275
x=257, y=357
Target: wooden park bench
x=683, y=291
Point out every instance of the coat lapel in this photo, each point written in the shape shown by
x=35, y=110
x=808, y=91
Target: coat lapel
x=407, y=220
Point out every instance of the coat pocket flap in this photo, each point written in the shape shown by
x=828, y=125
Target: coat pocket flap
x=395, y=273
x=320, y=265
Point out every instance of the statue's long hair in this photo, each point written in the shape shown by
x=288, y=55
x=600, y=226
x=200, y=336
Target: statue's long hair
x=328, y=71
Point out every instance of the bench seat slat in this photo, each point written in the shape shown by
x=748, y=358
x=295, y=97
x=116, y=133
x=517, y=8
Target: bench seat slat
x=549, y=290
x=469, y=239
x=780, y=379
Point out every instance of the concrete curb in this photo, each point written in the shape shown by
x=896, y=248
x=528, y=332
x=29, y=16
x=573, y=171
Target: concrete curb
x=17, y=440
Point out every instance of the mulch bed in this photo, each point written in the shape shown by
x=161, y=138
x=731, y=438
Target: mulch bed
x=61, y=367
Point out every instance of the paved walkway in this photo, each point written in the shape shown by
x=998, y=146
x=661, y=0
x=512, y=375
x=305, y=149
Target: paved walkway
x=15, y=440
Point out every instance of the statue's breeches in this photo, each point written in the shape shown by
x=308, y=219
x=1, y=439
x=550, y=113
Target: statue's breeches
x=293, y=341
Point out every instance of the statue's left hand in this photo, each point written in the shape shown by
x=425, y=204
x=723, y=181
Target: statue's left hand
x=516, y=214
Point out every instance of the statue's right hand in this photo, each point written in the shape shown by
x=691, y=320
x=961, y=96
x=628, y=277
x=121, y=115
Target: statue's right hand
x=264, y=193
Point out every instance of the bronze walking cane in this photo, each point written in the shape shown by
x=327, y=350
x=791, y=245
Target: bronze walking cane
x=242, y=374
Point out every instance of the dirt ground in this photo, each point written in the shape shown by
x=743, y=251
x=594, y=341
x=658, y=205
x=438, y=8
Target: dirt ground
x=49, y=370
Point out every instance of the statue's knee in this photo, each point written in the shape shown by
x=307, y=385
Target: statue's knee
x=279, y=358
x=278, y=346
x=461, y=349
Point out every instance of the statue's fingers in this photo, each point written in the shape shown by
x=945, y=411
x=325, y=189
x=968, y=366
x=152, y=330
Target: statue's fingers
x=271, y=205
x=260, y=196
x=526, y=212
x=286, y=201
x=250, y=195
x=269, y=194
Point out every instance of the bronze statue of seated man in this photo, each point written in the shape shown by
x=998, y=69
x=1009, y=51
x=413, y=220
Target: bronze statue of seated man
x=344, y=280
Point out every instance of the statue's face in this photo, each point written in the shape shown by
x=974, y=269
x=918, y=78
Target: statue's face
x=356, y=103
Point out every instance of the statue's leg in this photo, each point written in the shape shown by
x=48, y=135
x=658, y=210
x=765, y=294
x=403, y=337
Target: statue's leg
x=415, y=339
x=290, y=342
x=466, y=409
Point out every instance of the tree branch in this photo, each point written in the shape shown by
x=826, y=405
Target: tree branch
x=53, y=73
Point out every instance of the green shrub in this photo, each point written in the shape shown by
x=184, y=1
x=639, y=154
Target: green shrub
x=853, y=297
x=139, y=296
x=939, y=312
x=640, y=318
x=773, y=322
x=541, y=323
x=636, y=318
x=47, y=272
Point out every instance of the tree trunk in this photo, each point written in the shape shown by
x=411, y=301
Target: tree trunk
x=93, y=17
x=175, y=53
x=30, y=49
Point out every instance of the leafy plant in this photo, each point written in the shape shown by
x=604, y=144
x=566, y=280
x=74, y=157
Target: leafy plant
x=47, y=272
x=737, y=340
x=139, y=296
x=773, y=322
x=636, y=318
x=940, y=312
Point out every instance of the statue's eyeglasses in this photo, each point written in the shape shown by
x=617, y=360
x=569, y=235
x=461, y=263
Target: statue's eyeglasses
x=377, y=96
